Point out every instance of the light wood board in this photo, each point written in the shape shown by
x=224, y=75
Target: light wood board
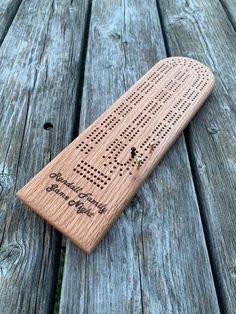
x=85, y=188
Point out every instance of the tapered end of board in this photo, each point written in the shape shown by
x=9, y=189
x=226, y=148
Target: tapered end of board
x=84, y=189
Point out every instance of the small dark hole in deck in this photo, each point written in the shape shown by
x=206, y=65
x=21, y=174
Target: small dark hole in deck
x=47, y=126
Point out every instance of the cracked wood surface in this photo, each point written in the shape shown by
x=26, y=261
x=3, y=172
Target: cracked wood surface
x=40, y=61
x=154, y=259
x=201, y=30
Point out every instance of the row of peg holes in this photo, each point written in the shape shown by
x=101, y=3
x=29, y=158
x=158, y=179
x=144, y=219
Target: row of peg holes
x=173, y=117
x=92, y=174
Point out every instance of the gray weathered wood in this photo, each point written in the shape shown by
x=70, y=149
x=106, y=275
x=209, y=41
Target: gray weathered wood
x=201, y=29
x=230, y=10
x=40, y=61
x=154, y=259
x=8, y=9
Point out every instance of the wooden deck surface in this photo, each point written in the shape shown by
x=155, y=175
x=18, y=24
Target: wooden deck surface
x=173, y=250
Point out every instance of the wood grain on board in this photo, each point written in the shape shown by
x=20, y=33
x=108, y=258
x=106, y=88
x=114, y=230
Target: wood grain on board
x=87, y=186
x=40, y=70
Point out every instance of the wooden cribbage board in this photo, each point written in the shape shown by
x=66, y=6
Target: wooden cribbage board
x=85, y=188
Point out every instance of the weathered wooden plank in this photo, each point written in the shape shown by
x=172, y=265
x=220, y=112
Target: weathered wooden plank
x=154, y=259
x=8, y=9
x=40, y=62
x=200, y=29
x=230, y=10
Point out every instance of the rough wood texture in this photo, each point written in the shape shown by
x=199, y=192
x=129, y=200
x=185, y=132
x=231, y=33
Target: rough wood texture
x=8, y=9
x=85, y=188
x=154, y=259
x=230, y=9
x=201, y=29
x=39, y=62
